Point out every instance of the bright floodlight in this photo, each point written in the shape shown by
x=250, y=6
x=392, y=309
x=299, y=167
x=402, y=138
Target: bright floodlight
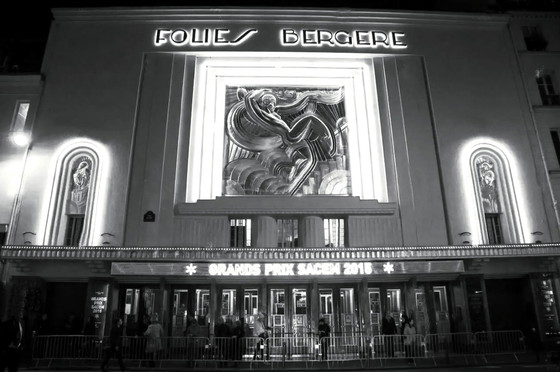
x=20, y=138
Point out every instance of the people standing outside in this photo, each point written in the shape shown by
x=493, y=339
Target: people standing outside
x=115, y=346
x=260, y=330
x=71, y=325
x=324, y=338
x=89, y=332
x=222, y=334
x=42, y=327
x=409, y=339
x=11, y=336
x=194, y=344
x=153, y=343
x=238, y=334
x=389, y=329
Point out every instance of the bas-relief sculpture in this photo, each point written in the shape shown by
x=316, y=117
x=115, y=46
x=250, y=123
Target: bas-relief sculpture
x=286, y=141
x=487, y=182
x=79, y=186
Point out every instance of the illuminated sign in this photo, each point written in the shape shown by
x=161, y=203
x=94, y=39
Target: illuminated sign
x=358, y=38
x=289, y=269
x=287, y=36
x=207, y=36
x=98, y=304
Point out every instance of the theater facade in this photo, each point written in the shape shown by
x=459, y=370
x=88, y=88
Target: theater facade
x=305, y=164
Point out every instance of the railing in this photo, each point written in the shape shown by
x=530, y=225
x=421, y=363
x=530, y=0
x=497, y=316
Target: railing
x=203, y=352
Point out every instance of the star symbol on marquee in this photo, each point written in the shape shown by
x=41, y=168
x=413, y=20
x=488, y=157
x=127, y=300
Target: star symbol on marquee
x=388, y=267
x=190, y=269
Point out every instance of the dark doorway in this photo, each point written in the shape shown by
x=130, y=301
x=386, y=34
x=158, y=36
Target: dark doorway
x=509, y=303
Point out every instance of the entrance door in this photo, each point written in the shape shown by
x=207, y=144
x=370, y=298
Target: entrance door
x=188, y=304
x=381, y=301
x=250, y=305
x=179, y=312
x=338, y=307
x=422, y=320
x=139, y=305
x=441, y=310
x=299, y=316
x=278, y=311
x=375, y=314
x=289, y=310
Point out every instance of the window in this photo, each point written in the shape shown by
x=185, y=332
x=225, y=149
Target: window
x=545, y=84
x=240, y=232
x=3, y=233
x=74, y=227
x=556, y=142
x=493, y=228
x=534, y=40
x=334, y=232
x=287, y=233
x=20, y=116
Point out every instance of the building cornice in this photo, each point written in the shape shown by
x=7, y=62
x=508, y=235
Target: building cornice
x=17, y=80
x=241, y=14
x=217, y=254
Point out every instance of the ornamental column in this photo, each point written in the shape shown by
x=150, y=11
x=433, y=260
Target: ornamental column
x=264, y=232
x=311, y=232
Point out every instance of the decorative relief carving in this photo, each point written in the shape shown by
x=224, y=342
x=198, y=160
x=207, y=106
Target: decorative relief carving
x=286, y=141
x=80, y=185
x=486, y=170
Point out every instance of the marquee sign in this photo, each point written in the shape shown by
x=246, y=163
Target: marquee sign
x=289, y=269
x=372, y=39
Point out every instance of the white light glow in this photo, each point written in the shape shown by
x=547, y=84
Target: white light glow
x=355, y=74
x=20, y=138
x=99, y=197
x=517, y=186
x=10, y=185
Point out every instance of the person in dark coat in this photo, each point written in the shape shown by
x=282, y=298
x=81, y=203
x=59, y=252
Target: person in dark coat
x=11, y=337
x=389, y=329
x=238, y=334
x=115, y=346
x=324, y=334
x=89, y=332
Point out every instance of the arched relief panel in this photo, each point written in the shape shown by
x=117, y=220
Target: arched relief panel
x=495, y=192
x=74, y=191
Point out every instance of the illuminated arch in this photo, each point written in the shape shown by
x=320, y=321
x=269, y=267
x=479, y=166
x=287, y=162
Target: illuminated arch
x=495, y=192
x=74, y=191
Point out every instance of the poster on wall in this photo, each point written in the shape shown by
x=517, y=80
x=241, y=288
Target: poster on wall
x=549, y=310
x=285, y=141
x=97, y=305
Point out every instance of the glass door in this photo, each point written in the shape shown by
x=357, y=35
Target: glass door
x=348, y=320
x=327, y=305
x=140, y=305
x=228, y=304
x=375, y=314
x=422, y=320
x=394, y=304
x=440, y=307
x=278, y=312
x=299, y=318
x=179, y=312
x=250, y=306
